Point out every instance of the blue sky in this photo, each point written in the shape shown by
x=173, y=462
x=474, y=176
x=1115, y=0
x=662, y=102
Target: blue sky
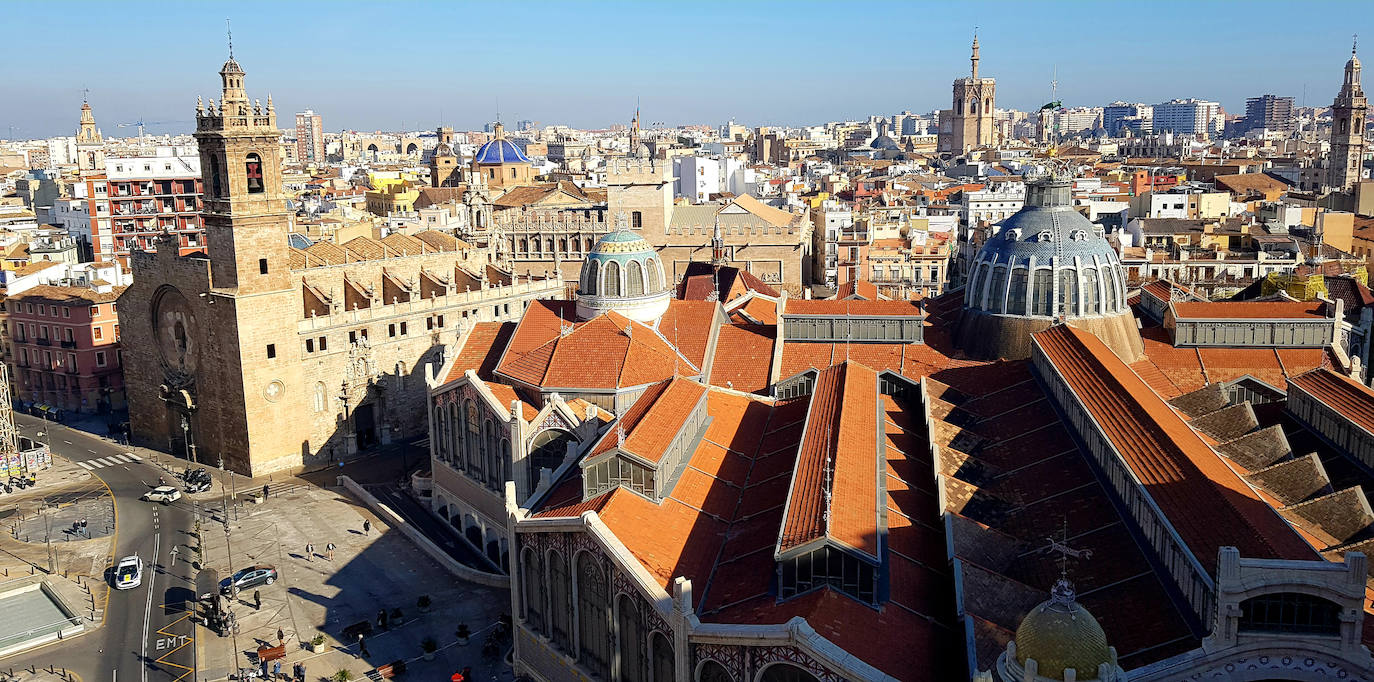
x=381, y=65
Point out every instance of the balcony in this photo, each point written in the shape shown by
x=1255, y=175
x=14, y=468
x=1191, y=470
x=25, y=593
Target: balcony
x=69, y=344
x=43, y=342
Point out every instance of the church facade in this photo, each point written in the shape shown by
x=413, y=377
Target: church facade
x=271, y=358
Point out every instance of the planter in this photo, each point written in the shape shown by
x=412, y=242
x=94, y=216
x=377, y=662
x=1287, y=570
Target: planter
x=317, y=648
x=429, y=655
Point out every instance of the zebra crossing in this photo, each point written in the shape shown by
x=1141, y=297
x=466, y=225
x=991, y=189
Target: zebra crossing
x=112, y=460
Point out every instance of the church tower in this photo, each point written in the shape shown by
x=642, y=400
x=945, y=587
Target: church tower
x=1344, y=166
x=971, y=116
x=245, y=210
x=90, y=146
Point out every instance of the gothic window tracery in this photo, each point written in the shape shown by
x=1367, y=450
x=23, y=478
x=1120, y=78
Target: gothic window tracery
x=592, y=617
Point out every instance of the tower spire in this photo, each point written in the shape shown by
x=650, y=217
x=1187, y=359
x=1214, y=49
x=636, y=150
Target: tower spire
x=230, y=31
x=974, y=58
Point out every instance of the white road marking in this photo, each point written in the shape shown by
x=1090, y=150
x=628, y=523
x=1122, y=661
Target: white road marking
x=85, y=466
x=93, y=452
x=101, y=462
x=148, y=608
x=120, y=459
x=67, y=442
x=135, y=457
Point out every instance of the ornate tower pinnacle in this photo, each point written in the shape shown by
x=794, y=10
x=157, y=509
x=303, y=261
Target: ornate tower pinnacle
x=974, y=58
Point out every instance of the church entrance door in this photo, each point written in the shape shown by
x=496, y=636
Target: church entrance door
x=365, y=426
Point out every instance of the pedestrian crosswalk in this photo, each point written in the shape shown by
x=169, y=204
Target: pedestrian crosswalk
x=93, y=464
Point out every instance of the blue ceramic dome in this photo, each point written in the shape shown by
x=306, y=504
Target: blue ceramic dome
x=499, y=151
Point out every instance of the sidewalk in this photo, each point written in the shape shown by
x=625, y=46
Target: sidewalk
x=316, y=596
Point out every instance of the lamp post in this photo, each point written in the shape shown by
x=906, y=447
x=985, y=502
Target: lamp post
x=347, y=425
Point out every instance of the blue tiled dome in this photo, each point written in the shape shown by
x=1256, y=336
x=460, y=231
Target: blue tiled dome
x=500, y=151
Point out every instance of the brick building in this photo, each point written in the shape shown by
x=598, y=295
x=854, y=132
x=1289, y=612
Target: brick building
x=66, y=351
x=137, y=199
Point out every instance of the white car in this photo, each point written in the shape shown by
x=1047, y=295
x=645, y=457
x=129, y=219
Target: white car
x=128, y=573
x=165, y=494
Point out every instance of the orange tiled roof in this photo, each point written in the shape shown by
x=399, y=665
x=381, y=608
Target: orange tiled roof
x=481, y=350
x=688, y=325
x=608, y=351
x=1347, y=397
x=744, y=355
x=650, y=424
x=796, y=306
x=860, y=288
x=838, y=442
x=1206, y=502
x=1250, y=310
x=757, y=310
x=505, y=395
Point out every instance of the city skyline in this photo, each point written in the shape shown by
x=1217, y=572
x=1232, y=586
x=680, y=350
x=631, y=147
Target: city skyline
x=496, y=61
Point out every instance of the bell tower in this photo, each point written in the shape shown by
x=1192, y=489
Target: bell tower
x=1347, y=129
x=244, y=207
x=90, y=146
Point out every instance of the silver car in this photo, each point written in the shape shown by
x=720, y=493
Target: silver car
x=128, y=573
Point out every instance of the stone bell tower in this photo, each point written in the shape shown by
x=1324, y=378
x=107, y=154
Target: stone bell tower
x=245, y=210
x=1345, y=164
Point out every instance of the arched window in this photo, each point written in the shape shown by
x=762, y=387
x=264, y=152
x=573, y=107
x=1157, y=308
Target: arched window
x=958, y=107
x=593, y=636
x=562, y=245
x=215, y=177
x=455, y=435
x=651, y=265
x=630, y=638
x=1290, y=612
x=786, y=672
x=611, y=286
x=252, y=167
x=712, y=671
x=589, y=287
x=548, y=245
x=663, y=659
x=1090, y=299
x=560, y=602
x=320, y=402
x=1016, y=296
x=1343, y=126
x=998, y=290
x=524, y=246
x=439, y=440
x=973, y=107
x=489, y=451
x=474, y=438
x=634, y=272
x=1042, y=292
x=588, y=247
x=1068, y=291
x=533, y=581
x=547, y=451
x=987, y=105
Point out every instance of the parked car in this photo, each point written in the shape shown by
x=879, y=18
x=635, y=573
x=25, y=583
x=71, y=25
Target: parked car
x=128, y=573
x=165, y=494
x=248, y=577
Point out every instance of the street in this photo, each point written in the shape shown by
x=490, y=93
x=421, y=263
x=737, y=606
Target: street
x=147, y=634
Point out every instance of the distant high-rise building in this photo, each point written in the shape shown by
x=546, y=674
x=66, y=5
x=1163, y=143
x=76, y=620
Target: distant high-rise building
x=1269, y=112
x=970, y=120
x=1119, y=117
x=1187, y=117
x=1345, y=165
x=309, y=137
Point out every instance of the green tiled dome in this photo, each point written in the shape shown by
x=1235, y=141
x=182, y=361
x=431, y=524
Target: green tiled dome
x=1061, y=634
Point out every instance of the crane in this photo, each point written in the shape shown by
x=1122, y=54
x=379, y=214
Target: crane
x=140, y=123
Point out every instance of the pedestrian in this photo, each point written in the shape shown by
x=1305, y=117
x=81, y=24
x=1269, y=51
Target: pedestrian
x=264, y=491
x=301, y=677
x=329, y=551
x=257, y=600
x=381, y=619
x=276, y=670
x=362, y=646
x=281, y=637
x=83, y=527
x=367, y=527
x=309, y=551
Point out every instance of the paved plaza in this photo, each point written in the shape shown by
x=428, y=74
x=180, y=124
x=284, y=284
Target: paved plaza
x=370, y=572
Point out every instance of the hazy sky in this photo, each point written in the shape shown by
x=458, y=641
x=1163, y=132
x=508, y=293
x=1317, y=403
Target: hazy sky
x=380, y=65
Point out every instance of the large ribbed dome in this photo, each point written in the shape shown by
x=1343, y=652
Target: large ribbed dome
x=1060, y=634
x=623, y=273
x=1047, y=264
x=499, y=151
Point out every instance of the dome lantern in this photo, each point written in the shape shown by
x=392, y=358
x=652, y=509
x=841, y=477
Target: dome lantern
x=623, y=273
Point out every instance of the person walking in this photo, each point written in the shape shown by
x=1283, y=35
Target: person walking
x=367, y=527
x=257, y=600
x=309, y=551
x=329, y=551
x=264, y=491
x=281, y=637
x=362, y=646
x=381, y=619
x=276, y=670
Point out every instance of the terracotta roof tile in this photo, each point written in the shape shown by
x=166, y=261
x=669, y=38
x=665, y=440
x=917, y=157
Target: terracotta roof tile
x=1172, y=462
x=1226, y=310
x=744, y=354
x=856, y=308
x=482, y=349
x=1347, y=397
x=654, y=419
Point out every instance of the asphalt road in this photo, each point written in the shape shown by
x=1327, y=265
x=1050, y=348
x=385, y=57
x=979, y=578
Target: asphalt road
x=147, y=635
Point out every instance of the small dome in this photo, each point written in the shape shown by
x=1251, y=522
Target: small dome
x=1061, y=634
x=500, y=151
x=623, y=273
